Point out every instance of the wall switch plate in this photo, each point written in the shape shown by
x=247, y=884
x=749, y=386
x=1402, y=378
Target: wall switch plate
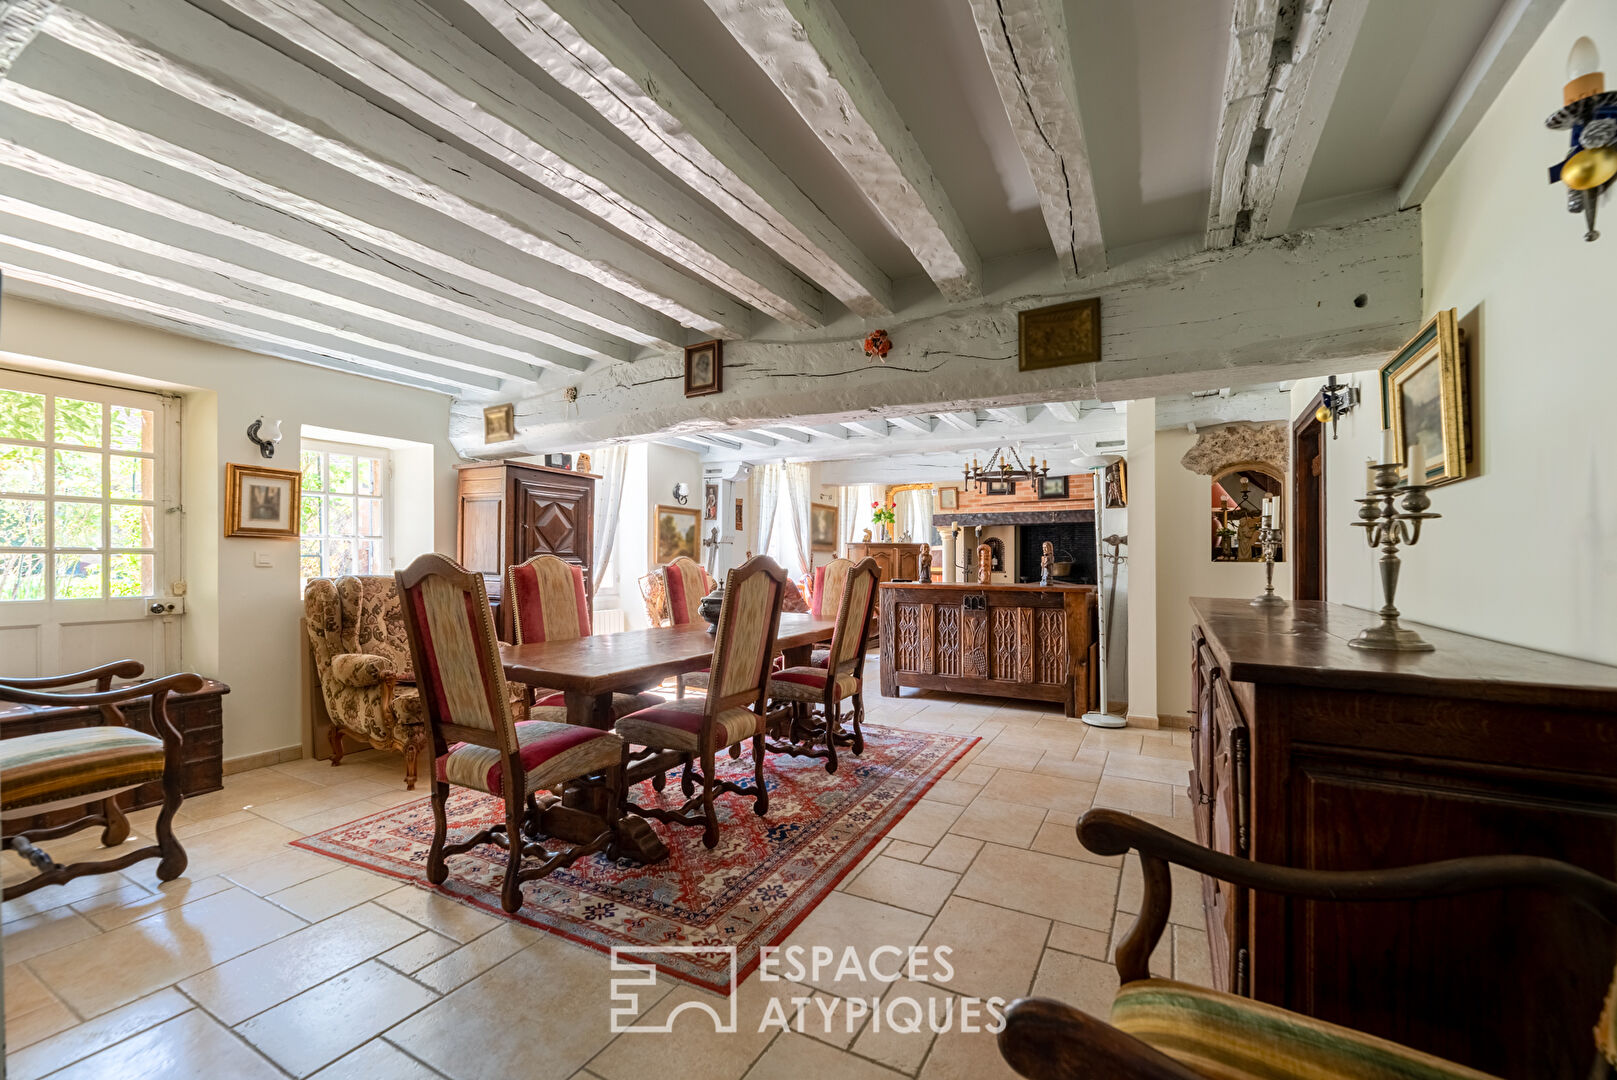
x=164, y=606
x=262, y=558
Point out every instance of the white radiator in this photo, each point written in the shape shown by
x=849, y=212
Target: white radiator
x=610, y=621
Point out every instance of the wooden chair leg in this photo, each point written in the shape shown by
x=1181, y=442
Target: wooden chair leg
x=760, y=802
x=117, y=830
x=833, y=725
x=174, y=859
x=511, y=891
x=437, y=871
x=616, y=782
x=687, y=780
x=710, y=834
x=858, y=723
x=336, y=745
x=412, y=757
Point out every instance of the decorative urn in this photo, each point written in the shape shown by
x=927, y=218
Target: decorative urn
x=710, y=605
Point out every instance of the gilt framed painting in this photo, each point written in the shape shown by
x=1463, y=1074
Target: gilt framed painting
x=674, y=533
x=704, y=368
x=822, y=527
x=1425, y=399
x=262, y=502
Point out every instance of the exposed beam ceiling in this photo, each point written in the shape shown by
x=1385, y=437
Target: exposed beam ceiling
x=960, y=421
x=1285, y=65
x=809, y=54
x=922, y=425
x=877, y=428
x=1010, y=414
x=752, y=438
x=1069, y=411
x=1026, y=45
x=597, y=52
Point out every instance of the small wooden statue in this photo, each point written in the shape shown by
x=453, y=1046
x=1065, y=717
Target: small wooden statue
x=1047, y=558
x=985, y=564
x=924, y=565
x=867, y=536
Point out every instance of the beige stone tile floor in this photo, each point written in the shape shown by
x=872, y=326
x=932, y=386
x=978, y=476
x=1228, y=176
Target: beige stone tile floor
x=267, y=961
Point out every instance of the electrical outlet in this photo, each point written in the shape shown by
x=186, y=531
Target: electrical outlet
x=164, y=606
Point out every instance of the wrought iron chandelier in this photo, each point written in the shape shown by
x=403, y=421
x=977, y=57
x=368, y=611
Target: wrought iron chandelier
x=1002, y=472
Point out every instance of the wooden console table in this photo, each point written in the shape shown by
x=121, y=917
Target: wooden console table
x=198, y=717
x=1311, y=754
x=1016, y=641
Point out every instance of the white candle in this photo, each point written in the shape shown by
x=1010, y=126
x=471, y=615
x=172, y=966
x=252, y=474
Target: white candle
x=1389, y=447
x=1417, y=463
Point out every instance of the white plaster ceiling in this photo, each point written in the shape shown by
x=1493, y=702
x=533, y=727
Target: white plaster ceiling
x=418, y=191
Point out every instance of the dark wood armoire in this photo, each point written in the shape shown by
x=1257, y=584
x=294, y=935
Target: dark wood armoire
x=508, y=513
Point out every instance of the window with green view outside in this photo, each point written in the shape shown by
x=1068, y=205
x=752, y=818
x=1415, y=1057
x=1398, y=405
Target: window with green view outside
x=343, y=526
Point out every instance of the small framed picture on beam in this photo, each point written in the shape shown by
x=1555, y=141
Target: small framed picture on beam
x=704, y=368
x=1058, y=335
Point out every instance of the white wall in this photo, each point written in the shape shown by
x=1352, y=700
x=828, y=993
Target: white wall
x=241, y=624
x=648, y=481
x=1526, y=549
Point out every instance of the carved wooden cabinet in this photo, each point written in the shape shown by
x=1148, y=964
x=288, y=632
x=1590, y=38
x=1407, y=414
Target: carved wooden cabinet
x=509, y=512
x=894, y=561
x=1016, y=641
x=1311, y=754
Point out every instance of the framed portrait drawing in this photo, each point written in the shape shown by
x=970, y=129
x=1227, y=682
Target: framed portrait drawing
x=710, y=502
x=1000, y=487
x=1058, y=335
x=948, y=498
x=499, y=423
x=262, y=502
x=673, y=533
x=822, y=527
x=740, y=518
x=1052, y=487
x=1425, y=399
x=704, y=368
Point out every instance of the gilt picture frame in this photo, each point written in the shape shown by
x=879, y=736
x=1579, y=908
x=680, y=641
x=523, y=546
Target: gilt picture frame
x=261, y=502
x=1426, y=400
x=704, y=368
x=948, y=498
x=675, y=532
x=1058, y=335
x=822, y=527
x=499, y=423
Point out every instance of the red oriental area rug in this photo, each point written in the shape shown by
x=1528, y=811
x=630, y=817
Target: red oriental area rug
x=764, y=877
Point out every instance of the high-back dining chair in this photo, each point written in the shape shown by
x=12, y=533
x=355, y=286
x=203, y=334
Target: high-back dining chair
x=733, y=709
x=685, y=583
x=826, y=601
x=477, y=743
x=549, y=603
x=813, y=695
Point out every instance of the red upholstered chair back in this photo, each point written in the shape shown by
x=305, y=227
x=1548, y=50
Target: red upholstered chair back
x=744, y=643
x=686, y=583
x=548, y=600
x=850, y=638
x=828, y=584
x=456, y=655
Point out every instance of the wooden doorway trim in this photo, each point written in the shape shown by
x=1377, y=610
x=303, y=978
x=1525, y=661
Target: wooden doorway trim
x=1308, y=504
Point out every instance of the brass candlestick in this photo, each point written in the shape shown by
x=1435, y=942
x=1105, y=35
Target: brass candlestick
x=1268, y=542
x=1391, y=516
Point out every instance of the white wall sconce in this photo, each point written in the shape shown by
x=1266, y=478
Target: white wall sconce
x=265, y=435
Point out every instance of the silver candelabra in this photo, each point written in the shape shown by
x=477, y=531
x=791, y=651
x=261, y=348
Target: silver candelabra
x=1268, y=544
x=1391, y=516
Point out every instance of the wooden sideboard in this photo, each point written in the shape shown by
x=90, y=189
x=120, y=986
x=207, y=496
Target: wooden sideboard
x=198, y=717
x=894, y=561
x=508, y=513
x=1016, y=641
x=1312, y=754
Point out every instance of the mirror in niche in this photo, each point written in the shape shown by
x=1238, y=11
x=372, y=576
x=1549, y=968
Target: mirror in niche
x=1237, y=512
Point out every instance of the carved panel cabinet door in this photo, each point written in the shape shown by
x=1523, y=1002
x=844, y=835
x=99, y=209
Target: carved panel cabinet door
x=554, y=519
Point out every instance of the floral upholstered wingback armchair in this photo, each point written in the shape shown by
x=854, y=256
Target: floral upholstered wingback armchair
x=362, y=656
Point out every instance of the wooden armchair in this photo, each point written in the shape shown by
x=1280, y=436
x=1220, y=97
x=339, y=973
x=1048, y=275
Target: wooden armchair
x=1163, y=1030
x=72, y=767
x=808, y=700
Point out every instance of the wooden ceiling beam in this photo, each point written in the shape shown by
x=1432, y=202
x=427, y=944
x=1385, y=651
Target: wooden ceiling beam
x=920, y=424
x=1025, y=42
x=595, y=50
x=1015, y=415
x=960, y=421
x=603, y=281
x=807, y=51
x=878, y=428
x=1069, y=412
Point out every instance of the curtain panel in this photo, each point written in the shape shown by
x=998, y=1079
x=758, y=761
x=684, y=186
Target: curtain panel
x=611, y=463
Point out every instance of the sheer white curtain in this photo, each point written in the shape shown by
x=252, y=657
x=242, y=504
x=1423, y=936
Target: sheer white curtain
x=766, y=489
x=914, y=514
x=781, y=493
x=610, y=462
x=853, y=510
x=796, y=497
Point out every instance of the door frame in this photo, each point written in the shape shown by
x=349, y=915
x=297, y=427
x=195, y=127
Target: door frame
x=1308, y=579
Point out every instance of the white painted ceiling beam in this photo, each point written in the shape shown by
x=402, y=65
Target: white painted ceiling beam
x=877, y=428
x=20, y=21
x=109, y=286
x=189, y=235
x=1010, y=414
x=1025, y=42
x=920, y=424
x=50, y=232
x=1247, y=75
x=1518, y=24
x=596, y=51
x=960, y=421
x=1065, y=411
x=599, y=279
x=416, y=57
x=823, y=431
x=809, y=54
x=751, y=438
x=782, y=433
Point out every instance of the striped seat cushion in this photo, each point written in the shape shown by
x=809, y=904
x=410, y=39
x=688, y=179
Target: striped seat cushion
x=808, y=684
x=820, y=658
x=677, y=725
x=551, y=753
x=80, y=763
x=622, y=704
x=1223, y=1037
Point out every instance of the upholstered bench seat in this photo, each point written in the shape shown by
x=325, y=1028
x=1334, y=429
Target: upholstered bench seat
x=1224, y=1037
x=62, y=768
x=551, y=752
x=808, y=684
x=677, y=725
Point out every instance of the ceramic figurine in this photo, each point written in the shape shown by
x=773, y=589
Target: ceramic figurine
x=1047, y=558
x=867, y=536
x=924, y=565
x=985, y=564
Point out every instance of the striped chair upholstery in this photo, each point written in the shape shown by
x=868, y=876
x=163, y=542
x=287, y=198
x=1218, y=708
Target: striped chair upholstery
x=462, y=685
x=1225, y=1037
x=807, y=683
x=55, y=769
x=829, y=581
x=686, y=583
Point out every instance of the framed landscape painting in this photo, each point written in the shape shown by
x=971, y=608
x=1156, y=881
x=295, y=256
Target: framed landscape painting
x=822, y=527
x=1425, y=399
x=674, y=533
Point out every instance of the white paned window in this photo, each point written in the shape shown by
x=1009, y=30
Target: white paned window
x=80, y=514
x=347, y=494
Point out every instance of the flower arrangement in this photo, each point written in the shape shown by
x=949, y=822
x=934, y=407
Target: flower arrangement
x=884, y=515
x=878, y=344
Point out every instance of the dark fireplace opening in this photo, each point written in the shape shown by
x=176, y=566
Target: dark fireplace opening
x=1074, y=541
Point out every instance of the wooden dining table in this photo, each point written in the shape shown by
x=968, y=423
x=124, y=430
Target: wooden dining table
x=589, y=670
